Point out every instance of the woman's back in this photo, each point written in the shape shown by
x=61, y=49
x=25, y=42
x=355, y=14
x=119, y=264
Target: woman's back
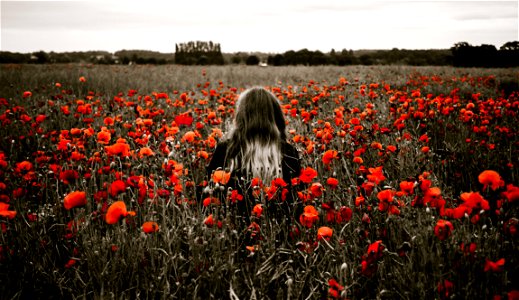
x=256, y=150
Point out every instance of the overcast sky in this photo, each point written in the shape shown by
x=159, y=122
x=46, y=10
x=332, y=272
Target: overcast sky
x=272, y=26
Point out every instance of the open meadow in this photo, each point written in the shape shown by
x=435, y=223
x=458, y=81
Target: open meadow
x=409, y=187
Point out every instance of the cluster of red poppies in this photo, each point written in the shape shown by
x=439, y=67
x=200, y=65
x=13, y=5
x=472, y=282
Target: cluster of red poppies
x=115, y=157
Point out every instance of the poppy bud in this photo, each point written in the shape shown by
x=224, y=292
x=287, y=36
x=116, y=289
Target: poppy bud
x=344, y=266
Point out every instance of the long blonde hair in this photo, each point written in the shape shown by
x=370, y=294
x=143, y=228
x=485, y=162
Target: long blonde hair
x=256, y=136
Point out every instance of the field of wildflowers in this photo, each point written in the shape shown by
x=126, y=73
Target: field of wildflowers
x=409, y=184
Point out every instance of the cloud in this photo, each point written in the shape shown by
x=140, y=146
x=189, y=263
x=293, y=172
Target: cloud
x=270, y=25
x=467, y=11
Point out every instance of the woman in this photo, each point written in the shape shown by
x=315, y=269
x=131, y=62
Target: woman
x=256, y=148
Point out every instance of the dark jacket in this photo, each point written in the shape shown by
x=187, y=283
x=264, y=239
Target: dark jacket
x=278, y=208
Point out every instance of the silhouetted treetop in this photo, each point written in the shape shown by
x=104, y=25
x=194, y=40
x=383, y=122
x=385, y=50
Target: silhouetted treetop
x=198, y=53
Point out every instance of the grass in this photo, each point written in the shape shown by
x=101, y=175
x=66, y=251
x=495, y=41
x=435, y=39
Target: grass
x=47, y=251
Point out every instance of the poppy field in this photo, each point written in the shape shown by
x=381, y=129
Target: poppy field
x=409, y=186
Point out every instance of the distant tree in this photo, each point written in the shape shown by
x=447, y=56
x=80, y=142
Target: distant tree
x=486, y=56
x=62, y=58
x=252, y=60
x=510, y=46
x=462, y=54
x=346, y=57
x=41, y=57
x=290, y=58
x=236, y=59
x=466, y=55
x=332, y=59
x=125, y=60
x=202, y=60
x=276, y=60
x=207, y=53
x=317, y=58
x=508, y=54
x=11, y=57
x=366, y=59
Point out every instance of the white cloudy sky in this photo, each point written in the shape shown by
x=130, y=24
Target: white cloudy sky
x=244, y=25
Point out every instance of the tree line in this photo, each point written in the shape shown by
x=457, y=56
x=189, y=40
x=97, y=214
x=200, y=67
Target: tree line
x=462, y=54
x=466, y=55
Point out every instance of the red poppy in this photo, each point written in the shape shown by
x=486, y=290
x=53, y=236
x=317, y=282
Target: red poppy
x=385, y=196
x=24, y=167
x=375, y=175
x=309, y=216
x=332, y=182
x=510, y=227
x=343, y=215
x=71, y=262
x=103, y=137
x=276, y=185
x=375, y=251
x=424, y=138
x=335, y=289
x=355, y=121
x=202, y=154
x=150, y=227
x=376, y=145
x=210, y=200
x=316, y=189
x=511, y=193
x=443, y=229
x=116, y=211
x=513, y=295
x=209, y=221
x=324, y=233
x=40, y=118
x=433, y=198
x=307, y=175
x=468, y=248
x=68, y=176
x=391, y=148
x=257, y=210
x=184, y=119
x=329, y=155
x=254, y=230
x=458, y=212
x=75, y=131
x=497, y=266
x=445, y=289
x=369, y=260
x=108, y=121
x=278, y=182
x=474, y=201
x=251, y=249
x=425, y=184
x=407, y=187
x=235, y=196
x=77, y=156
x=221, y=177
x=358, y=160
x=256, y=182
x=65, y=110
x=189, y=137
x=490, y=178
x=74, y=199
x=5, y=212
x=121, y=149
x=145, y=151
x=360, y=200
x=117, y=187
